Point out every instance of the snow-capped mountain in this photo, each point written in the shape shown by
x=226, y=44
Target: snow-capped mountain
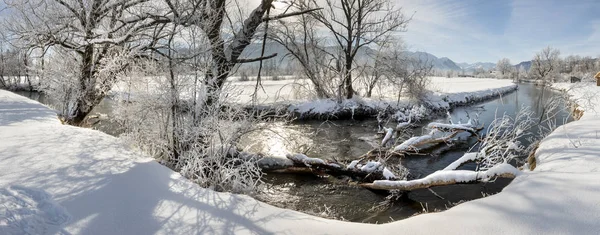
x=478, y=65
x=526, y=65
x=443, y=63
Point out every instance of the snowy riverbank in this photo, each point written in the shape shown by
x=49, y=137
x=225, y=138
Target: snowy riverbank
x=62, y=179
x=446, y=94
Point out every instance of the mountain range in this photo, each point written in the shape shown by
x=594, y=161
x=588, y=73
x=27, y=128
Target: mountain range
x=441, y=64
x=526, y=65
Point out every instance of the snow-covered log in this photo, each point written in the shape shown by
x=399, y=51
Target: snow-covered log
x=467, y=157
x=388, y=136
x=440, y=178
x=420, y=143
x=468, y=127
x=302, y=164
x=403, y=125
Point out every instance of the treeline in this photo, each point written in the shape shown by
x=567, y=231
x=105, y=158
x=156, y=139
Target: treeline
x=548, y=66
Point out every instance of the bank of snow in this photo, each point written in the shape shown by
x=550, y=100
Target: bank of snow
x=68, y=180
x=295, y=96
x=445, y=94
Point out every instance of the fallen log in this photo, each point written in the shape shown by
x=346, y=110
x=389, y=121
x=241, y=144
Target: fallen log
x=304, y=164
x=424, y=142
x=440, y=178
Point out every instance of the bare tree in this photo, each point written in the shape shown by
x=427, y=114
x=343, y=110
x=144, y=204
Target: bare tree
x=225, y=50
x=545, y=65
x=504, y=67
x=373, y=69
x=521, y=72
x=354, y=24
x=300, y=38
x=13, y=68
x=89, y=29
x=406, y=72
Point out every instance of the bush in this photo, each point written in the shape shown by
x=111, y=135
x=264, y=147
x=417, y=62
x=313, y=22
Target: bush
x=244, y=77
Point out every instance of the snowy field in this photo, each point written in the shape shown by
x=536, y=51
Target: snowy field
x=67, y=180
x=294, y=96
x=300, y=90
x=297, y=90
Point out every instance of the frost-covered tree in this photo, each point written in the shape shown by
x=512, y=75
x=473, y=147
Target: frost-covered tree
x=504, y=68
x=355, y=24
x=545, y=65
x=14, y=68
x=521, y=72
x=409, y=75
x=307, y=48
x=90, y=31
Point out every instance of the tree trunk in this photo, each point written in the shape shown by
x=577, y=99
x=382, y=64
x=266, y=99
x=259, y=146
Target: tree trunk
x=348, y=79
x=87, y=97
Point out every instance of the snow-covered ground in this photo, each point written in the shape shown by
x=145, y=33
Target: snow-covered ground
x=67, y=180
x=296, y=90
x=293, y=96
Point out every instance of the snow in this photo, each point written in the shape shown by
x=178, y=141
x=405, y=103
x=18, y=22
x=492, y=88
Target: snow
x=370, y=166
x=29, y=211
x=287, y=90
x=409, y=144
x=388, y=136
x=460, y=176
x=295, y=95
x=465, y=158
x=402, y=125
x=388, y=174
x=353, y=164
x=108, y=188
x=313, y=161
x=445, y=127
x=298, y=157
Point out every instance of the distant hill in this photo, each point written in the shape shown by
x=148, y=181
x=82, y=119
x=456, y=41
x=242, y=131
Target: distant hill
x=479, y=65
x=282, y=61
x=525, y=64
x=443, y=63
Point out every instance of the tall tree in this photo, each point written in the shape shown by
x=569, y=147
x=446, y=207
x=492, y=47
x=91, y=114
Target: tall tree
x=504, y=67
x=545, y=64
x=354, y=24
x=88, y=29
x=225, y=50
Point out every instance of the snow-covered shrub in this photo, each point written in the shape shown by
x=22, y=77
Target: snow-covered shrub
x=167, y=118
x=502, y=142
x=61, y=83
x=244, y=77
x=504, y=137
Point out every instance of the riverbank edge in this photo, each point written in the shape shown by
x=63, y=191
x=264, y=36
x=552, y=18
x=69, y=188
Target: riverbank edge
x=360, y=108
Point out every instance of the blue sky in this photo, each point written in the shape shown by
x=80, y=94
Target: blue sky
x=488, y=30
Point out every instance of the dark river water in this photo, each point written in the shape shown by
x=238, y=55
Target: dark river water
x=347, y=140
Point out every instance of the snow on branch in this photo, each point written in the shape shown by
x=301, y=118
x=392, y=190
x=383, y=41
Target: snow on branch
x=388, y=135
x=440, y=178
x=467, y=157
x=452, y=127
x=419, y=143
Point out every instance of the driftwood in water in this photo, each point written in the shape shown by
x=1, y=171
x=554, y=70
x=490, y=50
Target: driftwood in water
x=420, y=183
x=367, y=172
x=304, y=165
